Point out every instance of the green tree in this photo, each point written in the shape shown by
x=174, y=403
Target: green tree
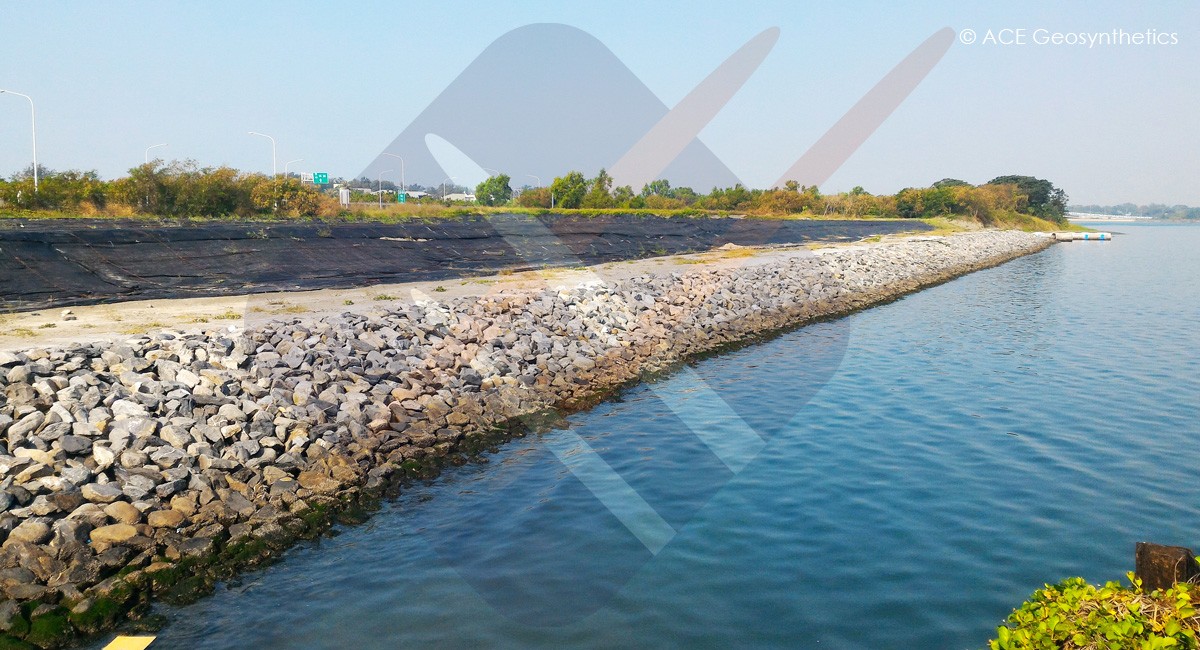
x=910, y=203
x=65, y=190
x=495, y=190
x=623, y=197
x=1045, y=200
x=778, y=201
x=730, y=198
x=211, y=192
x=568, y=191
x=534, y=197
x=147, y=188
x=660, y=187
x=599, y=195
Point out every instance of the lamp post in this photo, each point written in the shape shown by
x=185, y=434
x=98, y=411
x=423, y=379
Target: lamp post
x=381, y=186
x=153, y=146
x=288, y=164
x=401, y=168
x=448, y=178
x=33, y=121
x=274, y=173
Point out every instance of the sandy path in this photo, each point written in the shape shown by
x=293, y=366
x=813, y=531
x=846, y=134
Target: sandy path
x=49, y=327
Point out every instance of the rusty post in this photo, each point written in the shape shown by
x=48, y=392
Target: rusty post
x=1160, y=567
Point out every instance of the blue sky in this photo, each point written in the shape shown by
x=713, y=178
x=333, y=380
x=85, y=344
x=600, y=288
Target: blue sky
x=336, y=82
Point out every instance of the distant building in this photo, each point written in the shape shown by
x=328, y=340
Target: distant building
x=458, y=196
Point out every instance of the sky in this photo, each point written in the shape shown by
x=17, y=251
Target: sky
x=335, y=83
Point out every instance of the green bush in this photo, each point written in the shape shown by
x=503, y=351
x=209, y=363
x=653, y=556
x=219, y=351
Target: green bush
x=178, y=189
x=1074, y=614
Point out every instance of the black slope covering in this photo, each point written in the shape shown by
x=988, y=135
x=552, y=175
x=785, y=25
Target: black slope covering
x=48, y=263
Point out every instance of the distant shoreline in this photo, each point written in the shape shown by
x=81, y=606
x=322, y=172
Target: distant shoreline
x=1115, y=219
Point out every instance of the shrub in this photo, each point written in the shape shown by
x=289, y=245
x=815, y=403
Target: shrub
x=1074, y=614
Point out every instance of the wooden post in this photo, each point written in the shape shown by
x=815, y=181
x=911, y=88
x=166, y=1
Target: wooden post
x=1160, y=567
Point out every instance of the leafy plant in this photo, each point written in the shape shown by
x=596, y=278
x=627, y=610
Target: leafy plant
x=494, y=191
x=1074, y=614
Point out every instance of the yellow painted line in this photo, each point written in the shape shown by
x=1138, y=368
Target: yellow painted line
x=130, y=643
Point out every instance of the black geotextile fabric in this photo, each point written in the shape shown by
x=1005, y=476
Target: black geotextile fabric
x=46, y=263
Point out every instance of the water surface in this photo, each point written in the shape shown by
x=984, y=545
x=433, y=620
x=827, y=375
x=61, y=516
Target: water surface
x=927, y=464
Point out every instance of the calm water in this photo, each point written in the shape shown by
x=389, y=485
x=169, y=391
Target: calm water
x=927, y=464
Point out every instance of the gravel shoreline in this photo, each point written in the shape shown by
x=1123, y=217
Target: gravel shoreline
x=153, y=467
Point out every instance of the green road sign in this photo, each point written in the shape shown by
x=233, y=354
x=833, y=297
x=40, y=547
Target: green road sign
x=320, y=178
x=401, y=197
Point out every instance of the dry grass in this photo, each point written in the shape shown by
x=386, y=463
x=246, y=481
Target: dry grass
x=947, y=226
x=134, y=328
x=277, y=307
x=718, y=255
x=738, y=252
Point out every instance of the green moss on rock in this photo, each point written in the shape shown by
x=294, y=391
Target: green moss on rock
x=18, y=625
x=50, y=630
x=9, y=642
x=100, y=614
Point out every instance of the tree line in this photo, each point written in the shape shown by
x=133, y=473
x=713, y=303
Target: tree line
x=988, y=203
x=184, y=189
x=176, y=189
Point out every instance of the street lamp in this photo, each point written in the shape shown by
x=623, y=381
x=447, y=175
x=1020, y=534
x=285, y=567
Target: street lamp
x=274, y=173
x=33, y=120
x=401, y=168
x=448, y=178
x=153, y=146
x=288, y=164
x=381, y=186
